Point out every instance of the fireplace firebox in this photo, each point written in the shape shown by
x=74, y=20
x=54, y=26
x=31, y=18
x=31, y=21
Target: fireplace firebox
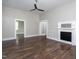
x=67, y=36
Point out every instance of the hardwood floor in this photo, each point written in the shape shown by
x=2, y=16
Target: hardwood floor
x=37, y=48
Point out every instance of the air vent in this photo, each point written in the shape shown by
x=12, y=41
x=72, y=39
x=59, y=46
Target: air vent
x=65, y=25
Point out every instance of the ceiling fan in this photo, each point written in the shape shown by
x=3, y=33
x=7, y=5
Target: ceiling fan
x=35, y=7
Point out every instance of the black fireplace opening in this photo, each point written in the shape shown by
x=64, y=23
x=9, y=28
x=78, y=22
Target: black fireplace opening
x=67, y=36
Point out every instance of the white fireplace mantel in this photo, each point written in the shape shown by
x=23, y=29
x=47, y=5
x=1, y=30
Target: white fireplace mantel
x=72, y=30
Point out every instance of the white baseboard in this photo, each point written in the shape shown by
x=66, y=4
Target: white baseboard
x=61, y=41
x=11, y=38
x=34, y=35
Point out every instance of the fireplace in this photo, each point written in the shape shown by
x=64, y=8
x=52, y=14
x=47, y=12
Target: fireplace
x=66, y=32
x=67, y=36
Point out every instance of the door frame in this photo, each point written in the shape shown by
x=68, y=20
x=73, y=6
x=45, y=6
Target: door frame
x=24, y=26
x=40, y=27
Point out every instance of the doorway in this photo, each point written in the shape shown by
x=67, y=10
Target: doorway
x=43, y=30
x=19, y=31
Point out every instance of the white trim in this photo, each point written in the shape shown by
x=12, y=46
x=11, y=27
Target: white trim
x=34, y=35
x=61, y=41
x=24, y=26
x=19, y=19
x=11, y=38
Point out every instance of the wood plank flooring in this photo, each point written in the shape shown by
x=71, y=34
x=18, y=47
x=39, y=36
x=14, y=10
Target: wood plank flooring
x=37, y=48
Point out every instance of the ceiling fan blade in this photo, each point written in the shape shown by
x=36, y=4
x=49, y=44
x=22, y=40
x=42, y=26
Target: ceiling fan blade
x=40, y=9
x=36, y=1
x=32, y=9
x=35, y=6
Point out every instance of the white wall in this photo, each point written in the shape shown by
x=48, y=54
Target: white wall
x=66, y=12
x=8, y=22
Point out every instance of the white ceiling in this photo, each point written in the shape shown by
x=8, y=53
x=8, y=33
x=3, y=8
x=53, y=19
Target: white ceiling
x=28, y=4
